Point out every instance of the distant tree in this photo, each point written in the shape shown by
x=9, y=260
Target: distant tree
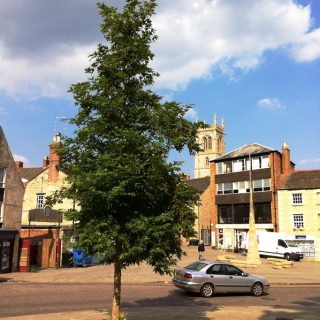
x=135, y=204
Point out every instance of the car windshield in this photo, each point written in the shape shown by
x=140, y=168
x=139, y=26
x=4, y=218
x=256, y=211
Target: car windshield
x=196, y=266
x=291, y=243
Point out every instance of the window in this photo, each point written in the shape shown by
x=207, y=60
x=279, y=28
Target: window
x=243, y=186
x=224, y=167
x=233, y=271
x=224, y=188
x=205, y=143
x=2, y=177
x=2, y=186
x=240, y=187
x=240, y=165
x=257, y=185
x=281, y=243
x=1, y=218
x=225, y=214
x=40, y=200
x=260, y=162
x=297, y=198
x=261, y=185
x=235, y=187
x=262, y=213
x=265, y=162
x=241, y=213
x=255, y=163
x=207, y=162
x=298, y=222
x=227, y=188
x=236, y=166
x=318, y=198
x=209, y=143
x=216, y=269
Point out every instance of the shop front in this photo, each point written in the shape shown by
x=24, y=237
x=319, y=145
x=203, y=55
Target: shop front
x=7, y=240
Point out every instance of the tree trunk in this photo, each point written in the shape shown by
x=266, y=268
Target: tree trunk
x=116, y=283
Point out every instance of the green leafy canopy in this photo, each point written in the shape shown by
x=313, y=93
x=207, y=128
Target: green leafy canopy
x=130, y=196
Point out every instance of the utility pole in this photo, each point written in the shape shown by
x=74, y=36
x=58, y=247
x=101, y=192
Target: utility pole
x=253, y=251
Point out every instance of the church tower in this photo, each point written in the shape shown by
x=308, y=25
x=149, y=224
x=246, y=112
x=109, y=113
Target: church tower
x=211, y=140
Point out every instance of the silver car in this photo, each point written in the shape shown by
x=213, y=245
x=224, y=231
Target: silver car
x=213, y=277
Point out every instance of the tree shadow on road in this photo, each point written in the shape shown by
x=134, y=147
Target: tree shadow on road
x=308, y=308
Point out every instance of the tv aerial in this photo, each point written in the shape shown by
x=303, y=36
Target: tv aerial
x=63, y=120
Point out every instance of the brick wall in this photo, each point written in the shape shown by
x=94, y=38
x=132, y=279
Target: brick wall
x=54, y=162
x=214, y=213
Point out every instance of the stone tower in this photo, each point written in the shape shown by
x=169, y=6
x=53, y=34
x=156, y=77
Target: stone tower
x=212, y=142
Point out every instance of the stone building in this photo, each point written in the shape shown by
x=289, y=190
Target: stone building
x=41, y=182
x=212, y=141
x=11, y=197
x=299, y=210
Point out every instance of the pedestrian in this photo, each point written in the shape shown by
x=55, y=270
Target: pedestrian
x=201, y=250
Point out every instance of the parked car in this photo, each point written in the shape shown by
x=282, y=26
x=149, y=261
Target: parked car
x=208, y=278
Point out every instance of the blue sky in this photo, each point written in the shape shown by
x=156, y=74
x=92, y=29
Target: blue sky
x=254, y=63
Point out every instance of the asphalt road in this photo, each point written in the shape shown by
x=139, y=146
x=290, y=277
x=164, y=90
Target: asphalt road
x=18, y=299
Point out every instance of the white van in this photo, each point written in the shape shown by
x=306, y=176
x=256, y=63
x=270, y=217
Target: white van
x=274, y=244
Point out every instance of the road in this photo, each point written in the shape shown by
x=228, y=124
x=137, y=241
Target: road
x=18, y=299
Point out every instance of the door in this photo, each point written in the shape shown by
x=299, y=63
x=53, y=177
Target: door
x=6, y=250
x=206, y=237
x=281, y=247
x=217, y=276
x=47, y=253
x=236, y=282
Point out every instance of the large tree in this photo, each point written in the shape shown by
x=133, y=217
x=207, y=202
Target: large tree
x=134, y=203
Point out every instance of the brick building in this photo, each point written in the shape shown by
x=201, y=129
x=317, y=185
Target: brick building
x=203, y=211
x=230, y=181
x=11, y=197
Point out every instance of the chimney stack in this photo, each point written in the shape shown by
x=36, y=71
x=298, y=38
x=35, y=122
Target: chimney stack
x=45, y=162
x=54, y=160
x=19, y=165
x=285, y=162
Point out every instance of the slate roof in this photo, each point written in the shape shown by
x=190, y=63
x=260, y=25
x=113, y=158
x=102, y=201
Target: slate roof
x=200, y=184
x=30, y=173
x=244, y=151
x=299, y=180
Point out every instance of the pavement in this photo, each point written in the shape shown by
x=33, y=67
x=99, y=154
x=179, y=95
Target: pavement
x=303, y=273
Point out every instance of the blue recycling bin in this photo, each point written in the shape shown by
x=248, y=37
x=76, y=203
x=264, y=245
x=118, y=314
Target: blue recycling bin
x=79, y=258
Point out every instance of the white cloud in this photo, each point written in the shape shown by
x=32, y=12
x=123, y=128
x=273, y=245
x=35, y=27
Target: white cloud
x=23, y=159
x=191, y=114
x=197, y=38
x=308, y=49
x=308, y=161
x=50, y=78
x=270, y=104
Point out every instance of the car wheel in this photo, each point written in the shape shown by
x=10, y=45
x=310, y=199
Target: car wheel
x=287, y=256
x=207, y=290
x=257, y=289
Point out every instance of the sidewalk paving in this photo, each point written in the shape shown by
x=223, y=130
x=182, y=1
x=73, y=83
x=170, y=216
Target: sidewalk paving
x=300, y=274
